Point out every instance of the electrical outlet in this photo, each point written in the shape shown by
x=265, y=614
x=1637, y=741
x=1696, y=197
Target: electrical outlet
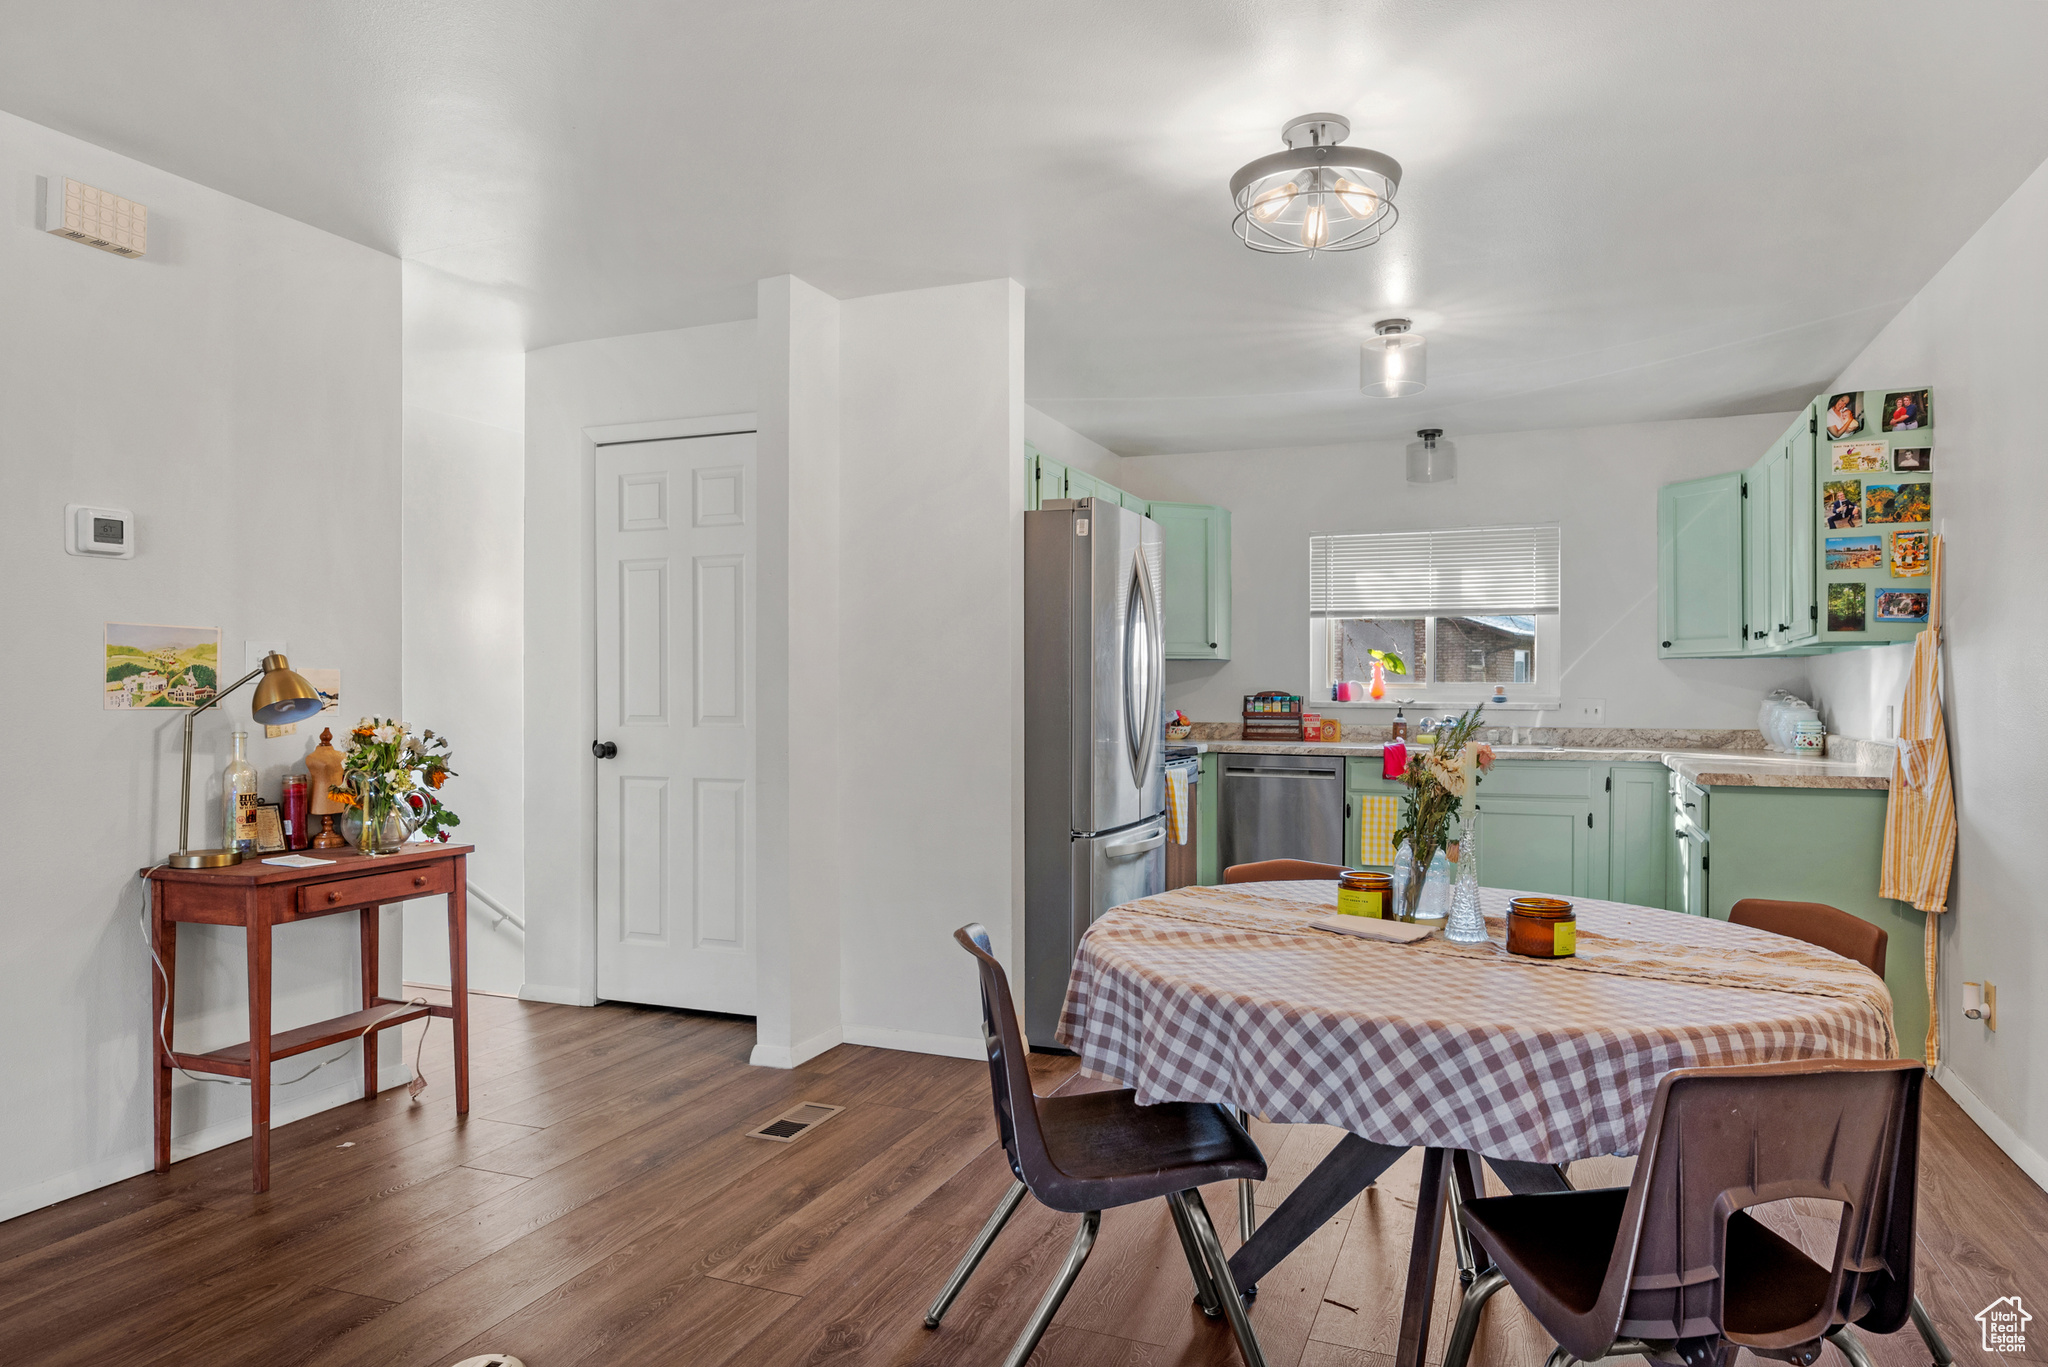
x=1587, y=711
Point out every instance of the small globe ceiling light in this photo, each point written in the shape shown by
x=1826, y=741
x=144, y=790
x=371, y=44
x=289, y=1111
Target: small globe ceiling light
x=1394, y=362
x=1431, y=460
x=1318, y=195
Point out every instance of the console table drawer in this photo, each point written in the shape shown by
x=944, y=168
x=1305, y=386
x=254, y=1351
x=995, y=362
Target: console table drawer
x=418, y=880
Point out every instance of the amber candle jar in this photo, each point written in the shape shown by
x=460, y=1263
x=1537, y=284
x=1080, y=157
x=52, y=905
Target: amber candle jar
x=1542, y=928
x=1362, y=892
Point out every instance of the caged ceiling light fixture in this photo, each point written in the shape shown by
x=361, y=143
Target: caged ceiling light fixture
x=1394, y=362
x=1318, y=195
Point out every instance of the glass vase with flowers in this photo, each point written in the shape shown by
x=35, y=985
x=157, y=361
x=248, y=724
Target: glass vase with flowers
x=390, y=784
x=1438, y=781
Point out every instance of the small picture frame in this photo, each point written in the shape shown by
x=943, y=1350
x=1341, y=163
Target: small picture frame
x=1841, y=503
x=1902, y=605
x=1859, y=456
x=1907, y=410
x=269, y=828
x=1917, y=459
x=1846, y=607
x=1909, y=555
x=1902, y=502
x=1844, y=415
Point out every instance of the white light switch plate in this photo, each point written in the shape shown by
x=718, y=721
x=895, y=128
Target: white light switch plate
x=1586, y=711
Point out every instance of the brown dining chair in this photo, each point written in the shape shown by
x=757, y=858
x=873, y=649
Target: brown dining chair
x=1269, y=871
x=1280, y=871
x=1089, y=1153
x=1675, y=1265
x=1817, y=923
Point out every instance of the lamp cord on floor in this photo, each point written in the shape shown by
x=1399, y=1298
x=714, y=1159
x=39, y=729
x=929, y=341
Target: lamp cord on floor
x=415, y=1087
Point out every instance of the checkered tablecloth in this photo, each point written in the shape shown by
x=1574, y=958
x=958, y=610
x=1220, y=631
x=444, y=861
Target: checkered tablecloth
x=1226, y=994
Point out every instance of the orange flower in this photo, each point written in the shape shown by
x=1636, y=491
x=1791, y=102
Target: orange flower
x=343, y=796
x=436, y=777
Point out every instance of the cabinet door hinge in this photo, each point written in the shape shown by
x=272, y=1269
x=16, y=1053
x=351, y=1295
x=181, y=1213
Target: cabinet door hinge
x=1589, y=821
x=1347, y=811
x=1745, y=488
x=1703, y=863
x=1813, y=426
x=1813, y=612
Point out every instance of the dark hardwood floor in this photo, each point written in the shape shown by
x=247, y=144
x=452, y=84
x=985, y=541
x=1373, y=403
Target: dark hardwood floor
x=601, y=1206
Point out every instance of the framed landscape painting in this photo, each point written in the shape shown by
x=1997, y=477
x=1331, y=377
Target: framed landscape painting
x=163, y=667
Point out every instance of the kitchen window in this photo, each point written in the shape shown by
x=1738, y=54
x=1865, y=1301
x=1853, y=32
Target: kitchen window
x=1467, y=608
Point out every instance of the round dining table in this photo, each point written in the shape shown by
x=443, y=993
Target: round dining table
x=1231, y=995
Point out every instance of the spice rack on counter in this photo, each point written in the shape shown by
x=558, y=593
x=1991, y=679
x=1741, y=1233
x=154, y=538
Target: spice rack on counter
x=1272, y=716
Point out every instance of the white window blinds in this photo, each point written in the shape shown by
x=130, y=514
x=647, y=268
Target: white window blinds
x=1467, y=571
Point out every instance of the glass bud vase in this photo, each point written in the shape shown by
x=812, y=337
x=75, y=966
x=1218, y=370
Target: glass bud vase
x=1467, y=923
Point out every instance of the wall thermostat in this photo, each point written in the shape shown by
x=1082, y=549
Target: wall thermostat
x=106, y=532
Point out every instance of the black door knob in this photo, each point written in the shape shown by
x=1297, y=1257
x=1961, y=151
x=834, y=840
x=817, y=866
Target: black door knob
x=1667, y=645
x=604, y=749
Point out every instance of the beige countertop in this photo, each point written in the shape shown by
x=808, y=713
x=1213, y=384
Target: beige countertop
x=1707, y=768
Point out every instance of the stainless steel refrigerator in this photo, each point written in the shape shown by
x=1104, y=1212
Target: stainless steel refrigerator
x=1094, y=776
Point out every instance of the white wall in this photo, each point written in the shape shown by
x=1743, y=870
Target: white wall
x=1599, y=483
x=238, y=389
x=931, y=663
x=1054, y=438
x=464, y=509
x=691, y=372
x=1978, y=333
x=798, y=874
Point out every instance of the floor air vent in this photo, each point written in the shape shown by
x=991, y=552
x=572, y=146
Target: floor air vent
x=795, y=1122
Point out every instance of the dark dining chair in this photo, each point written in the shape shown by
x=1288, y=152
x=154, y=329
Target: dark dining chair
x=1280, y=871
x=1817, y=923
x=1090, y=1153
x=1674, y=1265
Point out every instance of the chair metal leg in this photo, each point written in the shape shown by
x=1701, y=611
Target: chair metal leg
x=1247, y=1211
x=1005, y=1208
x=1219, y=1268
x=1206, y=1294
x=1930, y=1335
x=1845, y=1339
x=1559, y=1358
x=1466, y=1327
x=1464, y=1172
x=1041, y=1318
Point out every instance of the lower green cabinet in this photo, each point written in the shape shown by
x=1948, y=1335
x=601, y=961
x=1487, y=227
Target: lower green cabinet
x=1639, y=835
x=1208, y=847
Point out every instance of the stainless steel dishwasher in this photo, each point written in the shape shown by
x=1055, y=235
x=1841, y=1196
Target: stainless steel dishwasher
x=1281, y=807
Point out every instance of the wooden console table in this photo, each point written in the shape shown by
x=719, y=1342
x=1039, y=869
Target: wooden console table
x=258, y=897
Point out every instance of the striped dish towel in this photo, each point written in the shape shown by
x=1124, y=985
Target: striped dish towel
x=1177, y=805
x=1377, y=818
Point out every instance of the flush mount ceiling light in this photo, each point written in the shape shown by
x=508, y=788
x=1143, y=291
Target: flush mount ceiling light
x=1317, y=196
x=1394, y=362
x=1431, y=460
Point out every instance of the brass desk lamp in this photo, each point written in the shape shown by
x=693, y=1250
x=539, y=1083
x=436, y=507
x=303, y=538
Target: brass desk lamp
x=282, y=698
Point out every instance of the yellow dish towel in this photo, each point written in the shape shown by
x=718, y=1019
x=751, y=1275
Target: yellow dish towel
x=1177, y=805
x=1920, y=817
x=1377, y=817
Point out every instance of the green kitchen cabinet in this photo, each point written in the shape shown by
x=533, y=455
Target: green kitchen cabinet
x=1699, y=567
x=1801, y=443
x=1197, y=579
x=1817, y=845
x=1639, y=834
x=1362, y=780
x=1758, y=579
x=1535, y=844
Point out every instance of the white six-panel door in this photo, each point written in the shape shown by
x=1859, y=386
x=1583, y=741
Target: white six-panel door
x=675, y=674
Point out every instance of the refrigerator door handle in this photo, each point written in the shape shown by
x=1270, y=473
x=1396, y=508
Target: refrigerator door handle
x=1124, y=849
x=1141, y=685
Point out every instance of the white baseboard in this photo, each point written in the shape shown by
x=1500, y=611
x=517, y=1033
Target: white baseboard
x=792, y=1055
x=347, y=1087
x=560, y=996
x=918, y=1042
x=2028, y=1157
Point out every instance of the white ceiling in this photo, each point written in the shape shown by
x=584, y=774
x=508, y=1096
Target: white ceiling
x=1613, y=210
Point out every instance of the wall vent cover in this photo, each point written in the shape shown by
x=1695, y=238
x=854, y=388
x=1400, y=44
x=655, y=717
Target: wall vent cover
x=794, y=1123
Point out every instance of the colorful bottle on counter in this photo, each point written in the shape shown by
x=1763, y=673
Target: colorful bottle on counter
x=295, y=813
x=238, y=800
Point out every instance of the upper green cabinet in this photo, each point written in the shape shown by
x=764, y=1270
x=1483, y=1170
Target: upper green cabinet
x=1699, y=567
x=1823, y=543
x=1197, y=579
x=1197, y=568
